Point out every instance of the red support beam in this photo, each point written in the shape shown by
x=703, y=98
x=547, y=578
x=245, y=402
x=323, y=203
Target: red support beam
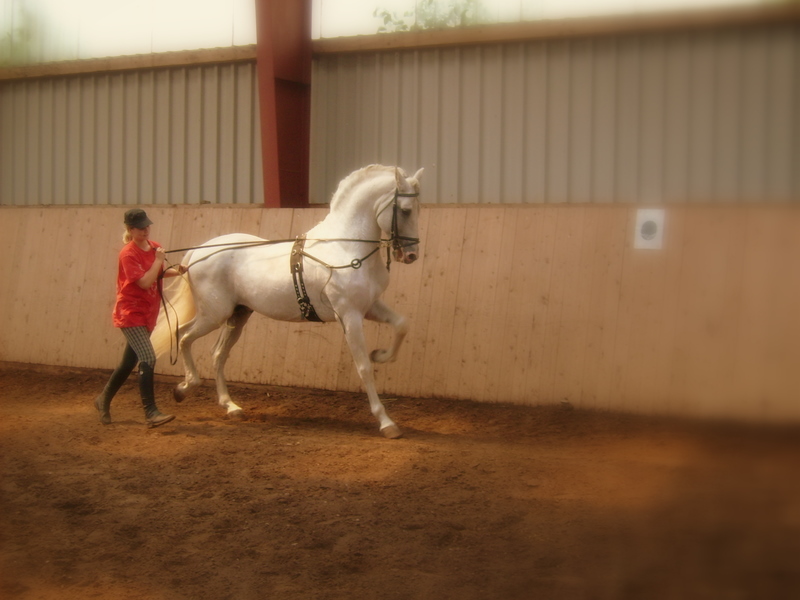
x=284, y=84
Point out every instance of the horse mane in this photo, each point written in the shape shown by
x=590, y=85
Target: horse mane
x=347, y=184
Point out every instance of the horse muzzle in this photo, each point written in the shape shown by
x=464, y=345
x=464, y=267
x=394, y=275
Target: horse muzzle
x=405, y=255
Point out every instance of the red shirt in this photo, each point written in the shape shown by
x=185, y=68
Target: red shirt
x=136, y=307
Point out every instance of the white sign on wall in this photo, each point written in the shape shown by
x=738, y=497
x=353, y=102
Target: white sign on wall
x=649, y=232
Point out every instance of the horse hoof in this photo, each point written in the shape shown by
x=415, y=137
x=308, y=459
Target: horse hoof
x=379, y=356
x=236, y=415
x=179, y=394
x=392, y=432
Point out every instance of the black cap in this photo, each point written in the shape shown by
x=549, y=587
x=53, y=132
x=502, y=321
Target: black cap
x=137, y=218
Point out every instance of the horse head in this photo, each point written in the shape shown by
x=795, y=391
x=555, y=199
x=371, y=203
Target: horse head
x=401, y=219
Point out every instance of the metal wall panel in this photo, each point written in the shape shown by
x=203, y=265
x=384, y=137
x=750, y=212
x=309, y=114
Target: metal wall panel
x=700, y=116
x=184, y=135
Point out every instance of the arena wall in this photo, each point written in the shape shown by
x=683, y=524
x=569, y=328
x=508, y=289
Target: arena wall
x=531, y=304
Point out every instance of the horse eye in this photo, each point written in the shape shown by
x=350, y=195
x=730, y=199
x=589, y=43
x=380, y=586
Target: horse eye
x=406, y=211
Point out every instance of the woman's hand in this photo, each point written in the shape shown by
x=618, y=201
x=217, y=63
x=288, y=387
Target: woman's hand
x=175, y=270
x=150, y=277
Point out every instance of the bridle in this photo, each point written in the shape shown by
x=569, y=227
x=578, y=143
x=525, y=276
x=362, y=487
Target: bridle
x=397, y=241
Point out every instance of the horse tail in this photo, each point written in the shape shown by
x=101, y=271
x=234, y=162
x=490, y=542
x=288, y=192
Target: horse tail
x=176, y=310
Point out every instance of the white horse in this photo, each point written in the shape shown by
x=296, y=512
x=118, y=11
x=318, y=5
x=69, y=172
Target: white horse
x=334, y=272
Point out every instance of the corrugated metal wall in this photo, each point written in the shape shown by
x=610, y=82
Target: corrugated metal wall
x=655, y=118
x=708, y=116
x=181, y=135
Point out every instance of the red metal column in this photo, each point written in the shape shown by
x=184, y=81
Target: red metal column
x=284, y=84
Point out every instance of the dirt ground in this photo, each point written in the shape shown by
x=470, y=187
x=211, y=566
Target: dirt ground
x=306, y=500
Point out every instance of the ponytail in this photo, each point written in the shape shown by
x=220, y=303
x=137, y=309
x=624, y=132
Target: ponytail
x=126, y=237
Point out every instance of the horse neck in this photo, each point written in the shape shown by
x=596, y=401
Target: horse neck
x=356, y=217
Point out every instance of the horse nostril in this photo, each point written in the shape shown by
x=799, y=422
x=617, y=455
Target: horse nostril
x=411, y=257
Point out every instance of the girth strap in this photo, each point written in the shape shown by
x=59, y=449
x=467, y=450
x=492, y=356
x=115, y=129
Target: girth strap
x=296, y=264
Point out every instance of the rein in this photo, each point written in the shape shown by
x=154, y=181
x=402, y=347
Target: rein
x=395, y=242
x=173, y=360
x=235, y=245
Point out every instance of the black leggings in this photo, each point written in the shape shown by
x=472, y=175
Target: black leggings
x=139, y=349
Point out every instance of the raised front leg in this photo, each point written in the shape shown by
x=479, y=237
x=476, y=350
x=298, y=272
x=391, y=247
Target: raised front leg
x=353, y=325
x=381, y=313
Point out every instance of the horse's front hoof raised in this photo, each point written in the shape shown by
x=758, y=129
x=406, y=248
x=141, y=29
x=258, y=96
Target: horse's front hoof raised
x=392, y=432
x=236, y=415
x=380, y=356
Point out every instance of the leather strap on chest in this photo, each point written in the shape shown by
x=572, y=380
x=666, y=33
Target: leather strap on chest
x=296, y=264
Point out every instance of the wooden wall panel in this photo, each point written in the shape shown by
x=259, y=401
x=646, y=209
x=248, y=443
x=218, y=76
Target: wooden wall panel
x=443, y=250
x=607, y=236
x=518, y=356
x=410, y=294
x=496, y=344
x=525, y=304
x=21, y=274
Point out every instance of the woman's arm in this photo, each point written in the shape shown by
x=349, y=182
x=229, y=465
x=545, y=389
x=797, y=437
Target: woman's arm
x=149, y=278
x=174, y=271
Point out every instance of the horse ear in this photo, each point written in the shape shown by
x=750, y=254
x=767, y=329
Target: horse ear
x=398, y=178
x=418, y=174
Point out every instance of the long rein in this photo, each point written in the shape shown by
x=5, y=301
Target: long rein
x=396, y=241
x=355, y=263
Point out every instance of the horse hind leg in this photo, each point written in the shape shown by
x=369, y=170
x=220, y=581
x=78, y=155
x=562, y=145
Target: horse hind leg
x=187, y=334
x=230, y=334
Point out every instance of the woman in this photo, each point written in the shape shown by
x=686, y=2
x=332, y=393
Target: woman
x=141, y=263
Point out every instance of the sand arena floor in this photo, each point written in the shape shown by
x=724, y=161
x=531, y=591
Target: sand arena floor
x=306, y=500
